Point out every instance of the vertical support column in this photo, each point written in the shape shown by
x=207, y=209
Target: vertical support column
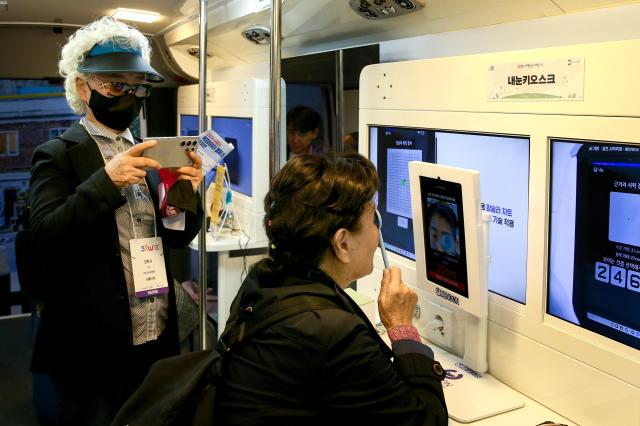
x=202, y=236
x=275, y=73
x=339, y=95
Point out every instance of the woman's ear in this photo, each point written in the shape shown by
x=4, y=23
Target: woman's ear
x=341, y=244
x=82, y=89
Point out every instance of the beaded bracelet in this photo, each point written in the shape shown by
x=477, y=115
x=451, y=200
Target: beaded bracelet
x=404, y=332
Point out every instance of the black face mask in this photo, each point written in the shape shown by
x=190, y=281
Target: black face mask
x=116, y=113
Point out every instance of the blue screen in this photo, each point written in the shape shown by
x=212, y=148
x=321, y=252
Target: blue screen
x=238, y=132
x=189, y=125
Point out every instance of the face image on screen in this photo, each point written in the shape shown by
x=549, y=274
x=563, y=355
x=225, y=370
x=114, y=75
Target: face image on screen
x=391, y=149
x=594, y=256
x=189, y=125
x=238, y=132
x=503, y=163
x=443, y=227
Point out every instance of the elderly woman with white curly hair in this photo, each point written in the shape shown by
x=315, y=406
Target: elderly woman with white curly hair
x=102, y=232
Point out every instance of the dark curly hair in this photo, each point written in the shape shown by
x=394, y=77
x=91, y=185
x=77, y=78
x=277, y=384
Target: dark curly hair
x=309, y=200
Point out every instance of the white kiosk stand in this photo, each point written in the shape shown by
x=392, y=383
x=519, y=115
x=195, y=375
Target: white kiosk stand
x=451, y=244
x=241, y=101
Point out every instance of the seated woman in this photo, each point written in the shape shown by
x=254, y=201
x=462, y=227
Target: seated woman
x=328, y=366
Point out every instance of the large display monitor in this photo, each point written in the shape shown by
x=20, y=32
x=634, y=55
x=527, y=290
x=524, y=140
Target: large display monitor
x=503, y=162
x=238, y=131
x=594, y=249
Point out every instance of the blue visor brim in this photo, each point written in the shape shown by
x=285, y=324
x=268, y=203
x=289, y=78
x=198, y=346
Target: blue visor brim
x=118, y=62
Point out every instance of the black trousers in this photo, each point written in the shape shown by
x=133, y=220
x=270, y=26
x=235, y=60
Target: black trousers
x=95, y=401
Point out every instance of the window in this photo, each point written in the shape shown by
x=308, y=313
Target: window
x=55, y=132
x=9, y=143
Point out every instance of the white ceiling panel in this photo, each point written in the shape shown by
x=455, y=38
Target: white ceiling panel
x=77, y=13
x=569, y=6
x=307, y=25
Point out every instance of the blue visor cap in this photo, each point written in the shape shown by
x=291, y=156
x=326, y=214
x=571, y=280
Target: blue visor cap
x=110, y=57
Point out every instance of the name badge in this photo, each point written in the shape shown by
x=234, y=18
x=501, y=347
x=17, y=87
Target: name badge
x=147, y=262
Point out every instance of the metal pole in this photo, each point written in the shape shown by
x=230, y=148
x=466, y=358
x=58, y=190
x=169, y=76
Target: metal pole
x=275, y=101
x=339, y=95
x=202, y=236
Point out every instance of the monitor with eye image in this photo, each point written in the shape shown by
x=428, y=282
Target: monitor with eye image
x=443, y=230
x=449, y=244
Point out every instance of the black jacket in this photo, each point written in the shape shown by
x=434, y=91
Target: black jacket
x=86, y=322
x=322, y=367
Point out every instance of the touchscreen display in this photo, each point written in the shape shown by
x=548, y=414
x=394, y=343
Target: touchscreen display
x=443, y=226
x=596, y=196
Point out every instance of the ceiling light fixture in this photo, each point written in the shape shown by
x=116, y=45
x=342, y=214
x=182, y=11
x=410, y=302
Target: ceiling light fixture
x=136, y=15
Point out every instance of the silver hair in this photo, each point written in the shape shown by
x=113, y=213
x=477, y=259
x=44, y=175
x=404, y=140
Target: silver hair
x=80, y=42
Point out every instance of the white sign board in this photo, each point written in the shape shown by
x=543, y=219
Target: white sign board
x=545, y=80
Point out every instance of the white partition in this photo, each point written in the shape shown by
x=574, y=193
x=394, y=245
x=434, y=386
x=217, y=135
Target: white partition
x=242, y=99
x=584, y=376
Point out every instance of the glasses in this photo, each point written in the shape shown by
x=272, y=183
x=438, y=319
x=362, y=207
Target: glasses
x=121, y=89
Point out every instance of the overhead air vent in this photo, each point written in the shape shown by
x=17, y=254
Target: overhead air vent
x=381, y=9
x=257, y=35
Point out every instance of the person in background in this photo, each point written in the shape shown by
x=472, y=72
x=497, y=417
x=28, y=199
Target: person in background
x=109, y=304
x=327, y=366
x=303, y=126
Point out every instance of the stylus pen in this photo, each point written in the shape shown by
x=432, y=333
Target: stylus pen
x=385, y=260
